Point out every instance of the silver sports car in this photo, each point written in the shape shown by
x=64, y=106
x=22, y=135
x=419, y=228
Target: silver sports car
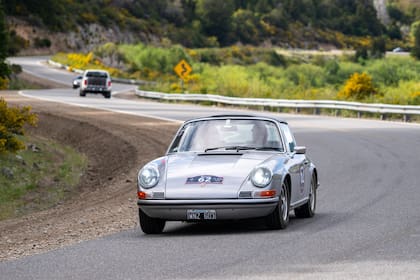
x=228, y=167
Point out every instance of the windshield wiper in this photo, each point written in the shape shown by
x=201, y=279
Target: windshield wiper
x=268, y=149
x=237, y=148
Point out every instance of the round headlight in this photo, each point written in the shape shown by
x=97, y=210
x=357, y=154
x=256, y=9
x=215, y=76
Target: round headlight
x=149, y=177
x=261, y=177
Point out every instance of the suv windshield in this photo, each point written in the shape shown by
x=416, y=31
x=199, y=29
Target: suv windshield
x=228, y=134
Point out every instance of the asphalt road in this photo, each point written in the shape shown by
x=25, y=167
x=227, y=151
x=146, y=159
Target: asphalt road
x=367, y=224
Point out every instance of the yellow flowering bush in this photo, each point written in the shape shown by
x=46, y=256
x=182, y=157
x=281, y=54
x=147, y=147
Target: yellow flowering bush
x=415, y=98
x=4, y=83
x=84, y=61
x=359, y=86
x=12, y=121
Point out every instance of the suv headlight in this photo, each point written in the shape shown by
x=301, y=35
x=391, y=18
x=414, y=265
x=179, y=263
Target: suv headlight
x=261, y=177
x=148, y=177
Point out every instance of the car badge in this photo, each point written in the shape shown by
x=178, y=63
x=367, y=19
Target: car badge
x=204, y=180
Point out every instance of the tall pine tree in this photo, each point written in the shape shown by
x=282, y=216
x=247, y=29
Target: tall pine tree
x=4, y=69
x=415, y=33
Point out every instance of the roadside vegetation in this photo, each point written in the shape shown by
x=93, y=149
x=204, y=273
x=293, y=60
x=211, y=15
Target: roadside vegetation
x=191, y=23
x=35, y=173
x=263, y=72
x=40, y=176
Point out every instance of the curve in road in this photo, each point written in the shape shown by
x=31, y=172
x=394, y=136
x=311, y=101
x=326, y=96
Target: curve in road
x=367, y=223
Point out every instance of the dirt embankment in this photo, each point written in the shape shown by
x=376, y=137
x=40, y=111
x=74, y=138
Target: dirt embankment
x=116, y=145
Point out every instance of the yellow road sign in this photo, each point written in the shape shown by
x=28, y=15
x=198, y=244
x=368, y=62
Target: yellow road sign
x=182, y=69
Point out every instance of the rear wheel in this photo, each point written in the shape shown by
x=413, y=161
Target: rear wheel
x=308, y=209
x=82, y=93
x=107, y=94
x=150, y=225
x=279, y=219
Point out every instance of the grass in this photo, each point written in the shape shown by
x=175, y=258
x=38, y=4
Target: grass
x=38, y=178
x=18, y=84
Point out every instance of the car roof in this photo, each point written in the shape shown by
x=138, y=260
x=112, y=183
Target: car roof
x=238, y=116
x=96, y=70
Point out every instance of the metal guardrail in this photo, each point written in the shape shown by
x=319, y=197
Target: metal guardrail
x=316, y=105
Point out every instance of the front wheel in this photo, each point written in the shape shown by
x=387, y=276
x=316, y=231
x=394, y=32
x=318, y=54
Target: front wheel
x=279, y=219
x=150, y=225
x=307, y=210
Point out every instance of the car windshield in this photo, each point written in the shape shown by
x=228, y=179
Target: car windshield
x=228, y=134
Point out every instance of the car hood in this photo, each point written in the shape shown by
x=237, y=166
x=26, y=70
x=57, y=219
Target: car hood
x=209, y=175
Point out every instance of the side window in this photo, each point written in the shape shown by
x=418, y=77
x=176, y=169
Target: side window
x=290, y=140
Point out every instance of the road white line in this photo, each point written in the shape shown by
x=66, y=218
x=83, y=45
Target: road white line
x=99, y=108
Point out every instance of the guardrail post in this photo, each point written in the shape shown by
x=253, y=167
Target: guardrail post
x=297, y=110
x=383, y=117
x=336, y=113
x=316, y=111
x=359, y=114
x=406, y=118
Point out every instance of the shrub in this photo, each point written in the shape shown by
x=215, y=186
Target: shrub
x=393, y=70
x=407, y=93
x=306, y=75
x=4, y=83
x=358, y=87
x=12, y=121
x=42, y=43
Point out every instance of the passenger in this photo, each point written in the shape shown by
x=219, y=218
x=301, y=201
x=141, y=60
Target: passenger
x=259, y=134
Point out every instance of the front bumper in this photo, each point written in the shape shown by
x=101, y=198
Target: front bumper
x=226, y=209
x=97, y=89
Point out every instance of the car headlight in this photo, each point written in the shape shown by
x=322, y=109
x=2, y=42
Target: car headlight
x=261, y=177
x=148, y=177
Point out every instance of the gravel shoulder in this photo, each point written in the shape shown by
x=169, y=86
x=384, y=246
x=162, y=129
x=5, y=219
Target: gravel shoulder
x=116, y=146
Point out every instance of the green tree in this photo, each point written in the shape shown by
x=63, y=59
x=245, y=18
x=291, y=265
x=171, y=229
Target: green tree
x=216, y=18
x=378, y=48
x=244, y=25
x=415, y=33
x=4, y=68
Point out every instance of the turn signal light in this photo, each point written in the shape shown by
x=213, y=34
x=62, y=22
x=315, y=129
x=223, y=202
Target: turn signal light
x=267, y=194
x=141, y=195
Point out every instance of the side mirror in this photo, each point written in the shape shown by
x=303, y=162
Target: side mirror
x=300, y=150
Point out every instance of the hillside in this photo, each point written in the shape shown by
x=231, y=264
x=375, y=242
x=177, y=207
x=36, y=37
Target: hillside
x=52, y=25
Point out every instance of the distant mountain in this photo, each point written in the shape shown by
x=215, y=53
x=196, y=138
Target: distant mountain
x=52, y=25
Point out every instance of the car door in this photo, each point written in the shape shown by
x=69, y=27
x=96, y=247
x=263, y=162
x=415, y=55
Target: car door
x=298, y=167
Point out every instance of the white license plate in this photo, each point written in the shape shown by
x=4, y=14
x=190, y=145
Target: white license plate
x=198, y=214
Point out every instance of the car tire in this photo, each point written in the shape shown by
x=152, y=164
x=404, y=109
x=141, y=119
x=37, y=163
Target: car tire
x=150, y=225
x=279, y=219
x=308, y=209
x=82, y=93
x=107, y=94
